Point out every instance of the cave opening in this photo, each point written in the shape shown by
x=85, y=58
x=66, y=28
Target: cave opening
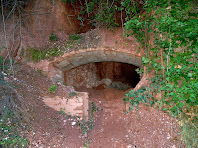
x=101, y=75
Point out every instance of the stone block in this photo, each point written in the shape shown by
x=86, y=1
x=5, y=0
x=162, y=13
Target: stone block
x=75, y=106
x=62, y=64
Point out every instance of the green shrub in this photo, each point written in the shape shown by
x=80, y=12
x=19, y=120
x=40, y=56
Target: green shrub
x=10, y=132
x=37, y=55
x=52, y=88
x=71, y=94
x=53, y=37
x=75, y=37
x=99, y=12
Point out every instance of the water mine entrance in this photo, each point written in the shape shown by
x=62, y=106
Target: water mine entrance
x=102, y=75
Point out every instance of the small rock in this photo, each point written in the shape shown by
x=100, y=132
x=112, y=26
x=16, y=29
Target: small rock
x=168, y=136
x=42, y=146
x=73, y=123
x=129, y=146
x=6, y=78
x=97, y=37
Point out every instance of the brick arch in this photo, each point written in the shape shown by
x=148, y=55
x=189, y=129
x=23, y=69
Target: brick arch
x=81, y=57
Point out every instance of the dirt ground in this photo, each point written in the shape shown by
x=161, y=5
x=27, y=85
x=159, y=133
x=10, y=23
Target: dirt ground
x=112, y=128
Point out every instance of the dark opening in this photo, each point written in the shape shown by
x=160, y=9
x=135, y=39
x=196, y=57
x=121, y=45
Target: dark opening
x=102, y=75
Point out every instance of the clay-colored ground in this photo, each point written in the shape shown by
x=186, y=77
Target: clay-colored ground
x=112, y=127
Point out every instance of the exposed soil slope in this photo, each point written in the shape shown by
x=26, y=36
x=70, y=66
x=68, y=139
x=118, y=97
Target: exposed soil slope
x=112, y=127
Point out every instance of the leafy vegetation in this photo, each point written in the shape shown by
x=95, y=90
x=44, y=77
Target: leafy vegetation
x=13, y=116
x=62, y=112
x=56, y=50
x=104, y=12
x=141, y=95
x=93, y=108
x=71, y=94
x=10, y=131
x=37, y=55
x=75, y=37
x=52, y=88
x=86, y=126
x=53, y=37
x=74, y=42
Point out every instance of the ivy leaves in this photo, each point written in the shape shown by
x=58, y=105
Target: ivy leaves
x=176, y=33
x=141, y=95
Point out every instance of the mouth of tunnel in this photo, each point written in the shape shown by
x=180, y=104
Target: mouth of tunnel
x=102, y=75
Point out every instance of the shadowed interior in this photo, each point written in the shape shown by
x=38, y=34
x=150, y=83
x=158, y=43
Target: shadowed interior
x=102, y=75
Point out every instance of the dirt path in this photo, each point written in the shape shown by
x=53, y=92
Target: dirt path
x=112, y=127
x=149, y=128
